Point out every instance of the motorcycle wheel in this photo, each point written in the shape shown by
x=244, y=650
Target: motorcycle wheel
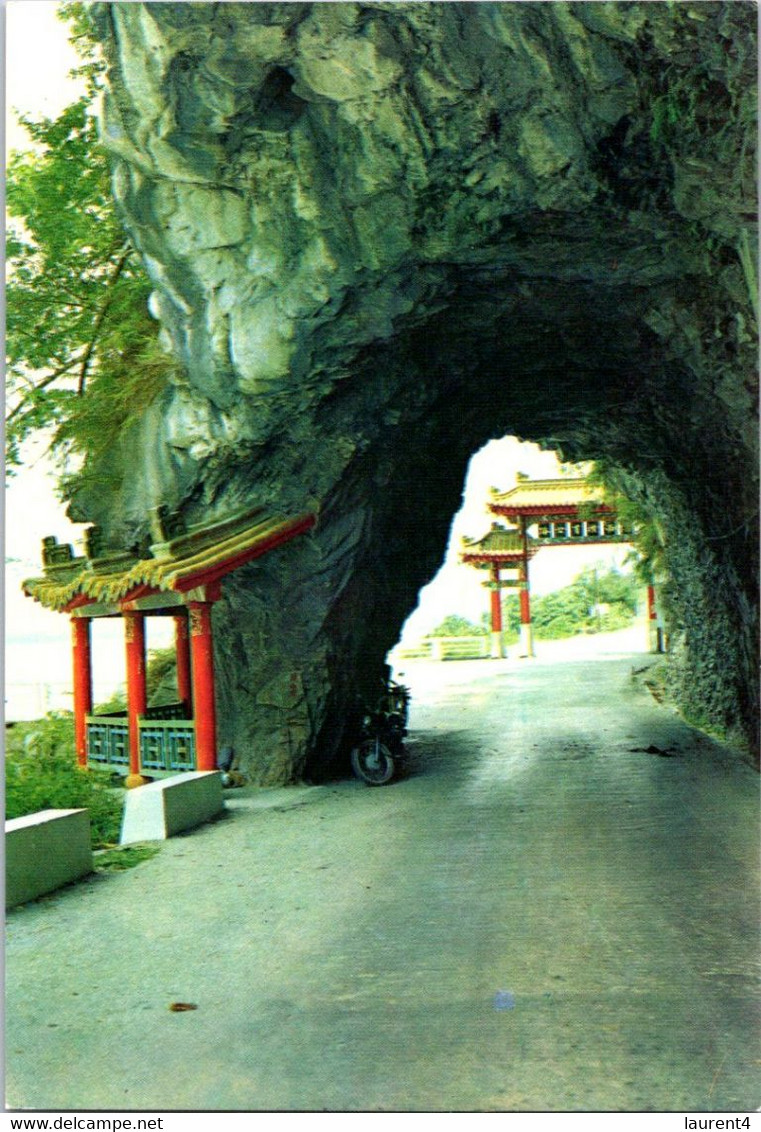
x=373, y=762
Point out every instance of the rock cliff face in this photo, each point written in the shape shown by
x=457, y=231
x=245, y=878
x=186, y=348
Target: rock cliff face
x=383, y=233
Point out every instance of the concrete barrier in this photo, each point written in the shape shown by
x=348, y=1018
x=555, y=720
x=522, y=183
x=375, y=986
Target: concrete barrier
x=45, y=851
x=171, y=805
x=459, y=648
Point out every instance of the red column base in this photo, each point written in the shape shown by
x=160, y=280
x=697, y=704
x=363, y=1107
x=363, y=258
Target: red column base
x=133, y=780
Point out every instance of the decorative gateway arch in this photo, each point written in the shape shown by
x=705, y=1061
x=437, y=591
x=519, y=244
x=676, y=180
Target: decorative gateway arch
x=181, y=579
x=551, y=512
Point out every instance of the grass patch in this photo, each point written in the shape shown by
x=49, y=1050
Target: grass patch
x=41, y=773
x=118, y=860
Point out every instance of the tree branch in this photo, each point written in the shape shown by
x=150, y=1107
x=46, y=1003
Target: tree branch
x=90, y=348
x=43, y=384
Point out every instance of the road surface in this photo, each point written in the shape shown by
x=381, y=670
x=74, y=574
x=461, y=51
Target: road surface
x=546, y=915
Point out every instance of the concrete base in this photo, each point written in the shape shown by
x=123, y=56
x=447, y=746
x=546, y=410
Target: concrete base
x=526, y=644
x=45, y=851
x=171, y=805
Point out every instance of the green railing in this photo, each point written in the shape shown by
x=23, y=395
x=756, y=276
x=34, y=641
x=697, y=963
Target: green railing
x=108, y=741
x=167, y=746
x=167, y=741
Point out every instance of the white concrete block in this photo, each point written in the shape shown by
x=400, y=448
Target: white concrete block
x=171, y=805
x=44, y=851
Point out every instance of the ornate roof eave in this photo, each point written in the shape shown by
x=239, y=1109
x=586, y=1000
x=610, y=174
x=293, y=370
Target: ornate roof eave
x=563, y=497
x=495, y=558
x=550, y=511
x=499, y=546
x=203, y=566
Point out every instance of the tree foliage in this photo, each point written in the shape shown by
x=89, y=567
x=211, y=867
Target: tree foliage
x=648, y=538
x=83, y=356
x=454, y=625
x=597, y=600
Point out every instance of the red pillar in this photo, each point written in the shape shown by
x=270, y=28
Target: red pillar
x=651, y=612
x=137, y=699
x=655, y=634
x=496, y=601
x=80, y=642
x=527, y=639
x=182, y=651
x=525, y=602
x=497, y=644
x=204, y=713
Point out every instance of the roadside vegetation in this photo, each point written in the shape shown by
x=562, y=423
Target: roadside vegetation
x=160, y=683
x=595, y=602
x=41, y=773
x=83, y=353
x=41, y=770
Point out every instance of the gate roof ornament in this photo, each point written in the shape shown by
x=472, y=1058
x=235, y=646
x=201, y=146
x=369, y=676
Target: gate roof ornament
x=200, y=557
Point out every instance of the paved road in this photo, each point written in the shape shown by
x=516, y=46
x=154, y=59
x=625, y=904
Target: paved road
x=542, y=917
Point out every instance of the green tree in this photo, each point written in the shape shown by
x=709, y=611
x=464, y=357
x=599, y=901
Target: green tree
x=571, y=610
x=82, y=350
x=456, y=626
x=561, y=613
x=648, y=537
x=607, y=587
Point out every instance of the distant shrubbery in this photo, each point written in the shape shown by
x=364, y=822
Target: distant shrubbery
x=595, y=602
x=41, y=773
x=160, y=682
x=456, y=626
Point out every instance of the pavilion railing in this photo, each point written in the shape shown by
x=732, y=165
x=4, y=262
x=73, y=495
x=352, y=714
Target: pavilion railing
x=166, y=736
x=108, y=741
x=167, y=746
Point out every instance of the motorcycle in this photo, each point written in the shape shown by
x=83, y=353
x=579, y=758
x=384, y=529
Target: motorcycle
x=380, y=753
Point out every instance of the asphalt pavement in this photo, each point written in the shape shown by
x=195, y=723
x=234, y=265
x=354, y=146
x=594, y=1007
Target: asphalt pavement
x=557, y=910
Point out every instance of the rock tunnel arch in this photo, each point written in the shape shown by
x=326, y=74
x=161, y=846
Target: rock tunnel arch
x=466, y=221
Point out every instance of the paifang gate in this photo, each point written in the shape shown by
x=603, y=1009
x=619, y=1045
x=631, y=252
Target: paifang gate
x=182, y=579
x=552, y=512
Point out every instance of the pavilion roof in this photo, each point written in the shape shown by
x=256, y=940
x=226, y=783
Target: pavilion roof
x=498, y=543
x=547, y=496
x=201, y=557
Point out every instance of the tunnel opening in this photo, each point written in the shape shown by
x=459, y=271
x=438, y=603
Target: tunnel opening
x=579, y=561
x=589, y=605
x=573, y=367
x=449, y=592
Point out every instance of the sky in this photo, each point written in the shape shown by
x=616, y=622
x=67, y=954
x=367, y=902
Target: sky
x=38, y=652
x=37, y=640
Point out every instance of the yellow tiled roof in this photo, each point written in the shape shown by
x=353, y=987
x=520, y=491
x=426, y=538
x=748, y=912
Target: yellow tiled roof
x=566, y=492
x=177, y=573
x=498, y=541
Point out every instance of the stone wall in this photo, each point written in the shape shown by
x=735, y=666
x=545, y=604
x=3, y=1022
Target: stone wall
x=381, y=234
